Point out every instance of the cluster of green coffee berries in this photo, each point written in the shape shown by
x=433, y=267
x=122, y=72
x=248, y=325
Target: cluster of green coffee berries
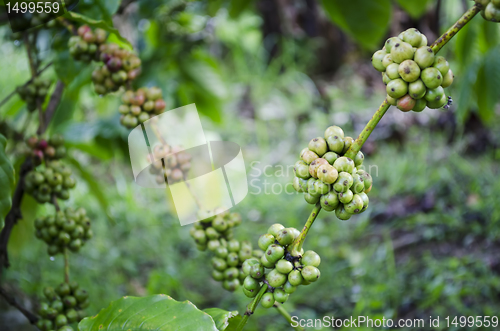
x=120, y=66
x=54, y=180
x=177, y=163
x=33, y=92
x=490, y=9
x=41, y=149
x=414, y=75
x=64, y=306
x=85, y=46
x=278, y=269
x=69, y=229
x=28, y=19
x=326, y=176
x=140, y=106
x=216, y=234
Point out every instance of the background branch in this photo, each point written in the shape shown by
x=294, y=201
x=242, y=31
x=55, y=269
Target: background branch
x=12, y=301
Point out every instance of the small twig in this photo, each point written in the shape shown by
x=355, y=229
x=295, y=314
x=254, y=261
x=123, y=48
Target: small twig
x=54, y=101
x=296, y=246
x=66, y=265
x=54, y=202
x=70, y=27
x=12, y=301
x=287, y=316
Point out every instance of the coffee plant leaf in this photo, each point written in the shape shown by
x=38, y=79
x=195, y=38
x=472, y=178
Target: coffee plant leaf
x=157, y=312
x=223, y=318
x=414, y=8
x=6, y=181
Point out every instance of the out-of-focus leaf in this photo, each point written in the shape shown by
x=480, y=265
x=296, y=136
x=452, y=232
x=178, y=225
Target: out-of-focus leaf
x=465, y=44
x=488, y=81
x=237, y=7
x=156, y=312
x=96, y=24
x=221, y=317
x=66, y=67
x=364, y=20
x=466, y=89
x=94, y=187
x=6, y=181
x=414, y=8
x=108, y=7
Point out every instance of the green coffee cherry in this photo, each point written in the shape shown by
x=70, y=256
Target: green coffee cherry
x=434, y=94
x=219, y=264
x=387, y=60
x=250, y=293
x=391, y=42
x=267, y=300
x=417, y=89
x=346, y=197
x=301, y=170
x=251, y=283
x=409, y=71
x=420, y=105
x=359, y=158
x=311, y=199
x=431, y=77
x=231, y=273
x=377, y=59
x=348, y=141
x=397, y=88
x=266, y=263
x=392, y=71
x=385, y=78
x=284, y=237
x=437, y=103
x=299, y=184
x=310, y=273
x=231, y=285
x=335, y=144
x=448, y=79
x=247, y=264
x=308, y=156
x=280, y=295
x=233, y=259
x=233, y=245
x=358, y=185
x=295, y=278
x=355, y=205
x=344, y=164
x=61, y=320
x=344, y=182
x=313, y=167
x=401, y=52
x=273, y=230
x=413, y=37
x=492, y=12
x=320, y=188
x=391, y=100
x=289, y=288
x=334, y=131
x=275, y=278
x=311, y=258
x=327, y=174
x=341, y=213
x=329, y=201
x=256, y=271
x=442, y=65
x=265, y=240
x=274, y=253
x=318, y=145
x=283, y=266
x=331, y=157
x=366, y=201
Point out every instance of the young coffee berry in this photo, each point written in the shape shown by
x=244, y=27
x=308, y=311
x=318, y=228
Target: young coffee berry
x=320, y=188
x=218, y=275
x=330, y=157
x=344, y=182
x=265, y=240
x=267, y=300
x=390, y=43
x=327, y=174
x=310, y=273
x=273, y=230
x=251, y=283
x=413, y=37
x=366, y=201
x=280, y=295
x=311, y=258
x=329, y=201
x=344, y=164
x=431, y=77
x=367, y=178
x=387, y=60
x=301, y=170
x=219, y=224
x=335, y=143
x=63, y=289
x=417, y=89
x=295, y=278
x=212, y=245
x=448, y=79
x=358, y=185
x=219, y=264
x=284, y=267
x=221, y=252
x=49, y=293
x=289, y=288
x=44, y=325
x=401, y=52
x=266, y=263
x=406, y=103
x=232, y=259
x=71, y=315
x=313, y=167
x=346, y=197
x=318, y=145
x=257, y=271
x=442, y=65
x=434, y=94
x=420, y=105
x=311, y=199
x=355, y=206
x=409, y=71
x=397, y=88
x=69, y=301
x=61, y=320
x=334, y=131
x=233, y=245
x=359, y=158
x=341, y=213
x=275, y=278
x=274, y=253
x=437, y=103
x=231, y=285
x=250, y=293
x=377, y=59
x=200, y=237
x=424, y=57
x=231, y=273
x=284, y=237
x=80, y=295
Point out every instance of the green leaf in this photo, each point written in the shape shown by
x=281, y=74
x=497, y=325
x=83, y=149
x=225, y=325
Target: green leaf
x=364, y=20
x=221, y=317
x=237, y=7
x=96, y=24
x=414, y=8
x=94, y=187
x=67, y=69
x=156, y=312
x=6, y=181
x=465, y=90
x=486, y=86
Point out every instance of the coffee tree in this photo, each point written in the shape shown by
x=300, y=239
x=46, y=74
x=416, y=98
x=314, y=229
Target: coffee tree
x=329, y=173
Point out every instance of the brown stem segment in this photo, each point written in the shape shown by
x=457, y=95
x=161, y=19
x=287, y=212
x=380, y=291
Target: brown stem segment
x=363, y=136
x=287, y=316
x=299, y=241
x=66, y=265
x=451, y=32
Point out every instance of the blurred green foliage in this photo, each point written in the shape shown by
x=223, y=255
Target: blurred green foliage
x=426, y=246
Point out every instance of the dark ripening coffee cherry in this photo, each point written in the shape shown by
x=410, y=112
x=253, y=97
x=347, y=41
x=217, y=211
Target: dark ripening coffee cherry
x=267, y=300
x=318, y=145
x=334, y=131
x=406, y=103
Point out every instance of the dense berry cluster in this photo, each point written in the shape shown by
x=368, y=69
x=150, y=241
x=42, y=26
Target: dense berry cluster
x=277, y=268
x=216, y=234
x=325, y=175
x=64, y=306
x=41, y=149
x=34, y=92
x=54, y=180
x=120, y=66
x=414, y=76
x=177, y=164
x=68, y=229
x=490, y=9
x=85, y=46
x=140, y=106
